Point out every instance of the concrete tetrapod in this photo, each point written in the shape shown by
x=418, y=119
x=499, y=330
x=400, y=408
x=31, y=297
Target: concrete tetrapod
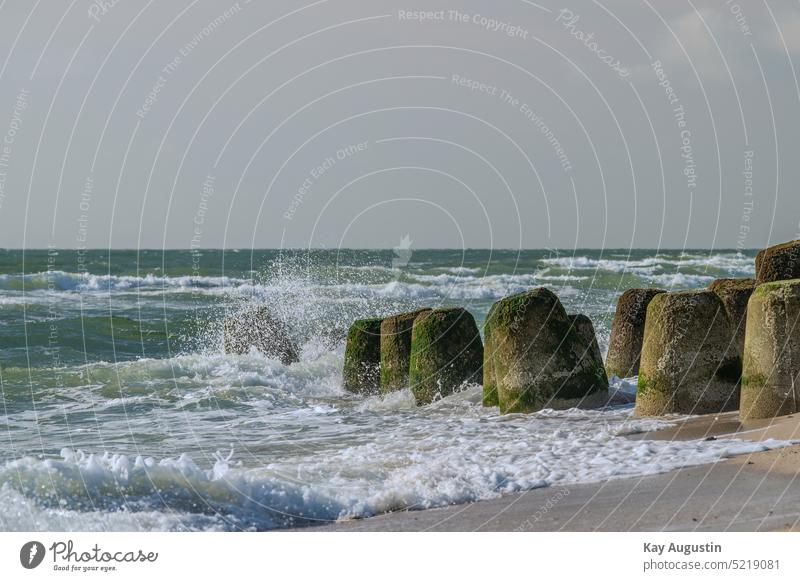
x=627, y=332
x=690, y=360
x=540, y=356
x=362, y=357
x=446, y=353
x=771, y=375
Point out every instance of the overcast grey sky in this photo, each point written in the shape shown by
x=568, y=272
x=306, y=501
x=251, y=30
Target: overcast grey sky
x=615, y=123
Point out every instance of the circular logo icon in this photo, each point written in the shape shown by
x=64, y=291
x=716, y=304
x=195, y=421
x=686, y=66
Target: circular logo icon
x=31, y=554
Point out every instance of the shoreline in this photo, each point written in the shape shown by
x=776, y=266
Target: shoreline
x=749, y=492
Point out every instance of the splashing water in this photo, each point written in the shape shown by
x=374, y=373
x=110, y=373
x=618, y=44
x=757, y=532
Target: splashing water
x=121, y=412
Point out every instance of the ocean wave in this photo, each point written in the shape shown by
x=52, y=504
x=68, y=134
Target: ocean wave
x=455, y=283
x=732, y=263
x=21, y=513
x=561, y=278
x=488, y=288
x=680, y=280
x=185, y=380
x=59, y=280
x=421, y=285
x=462, y=270
x=392, y=472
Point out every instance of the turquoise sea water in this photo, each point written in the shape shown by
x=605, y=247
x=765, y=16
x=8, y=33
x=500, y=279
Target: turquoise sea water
x=120, y=411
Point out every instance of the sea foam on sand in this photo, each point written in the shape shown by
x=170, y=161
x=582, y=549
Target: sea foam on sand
x=455, y=452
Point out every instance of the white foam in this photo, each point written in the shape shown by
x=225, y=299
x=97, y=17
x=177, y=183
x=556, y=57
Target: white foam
x=469, y=290
x=318, y=374
x=452, y=452
x=72, y=281
x=734, y=263
x=395, y=401
x=680, y=280
x=626, y=385
x=463, y=270
x=21, y=513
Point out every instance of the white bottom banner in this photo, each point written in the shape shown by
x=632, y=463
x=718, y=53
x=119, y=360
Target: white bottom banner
x=355, y=556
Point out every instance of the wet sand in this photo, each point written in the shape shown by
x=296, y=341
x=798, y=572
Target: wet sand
x=756, y=492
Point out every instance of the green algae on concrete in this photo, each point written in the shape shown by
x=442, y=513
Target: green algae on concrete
x=362, y=357
x=395, y=346
x=772, y=352
x=690, y=361
x=541, y=357
x=446, y=353
x=627, y=331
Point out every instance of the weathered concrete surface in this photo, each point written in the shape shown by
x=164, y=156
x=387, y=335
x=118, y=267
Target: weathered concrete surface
x=446, y=353
x=627, y=331
x=539, y=356
x=735, y=294
x=259, y=328
x=362, y=357
x=771, y=375
x=779, y=262
x=690, y=361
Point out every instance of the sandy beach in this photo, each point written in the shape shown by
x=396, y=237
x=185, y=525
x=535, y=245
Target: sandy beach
x=754, y=492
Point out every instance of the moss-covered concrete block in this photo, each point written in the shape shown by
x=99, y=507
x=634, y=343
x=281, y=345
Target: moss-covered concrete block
x=362, y=357
x=259, y=328
x=446, y=353
x=541, y=357
x=627, y=331
x=779, y=262
x=771, y=375
x=690, y=361
x=735, y=294
x=396, y=350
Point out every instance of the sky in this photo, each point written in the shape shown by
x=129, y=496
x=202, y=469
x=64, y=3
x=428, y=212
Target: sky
x=373, y=124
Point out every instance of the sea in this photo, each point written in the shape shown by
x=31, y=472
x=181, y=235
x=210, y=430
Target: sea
x=120, y=411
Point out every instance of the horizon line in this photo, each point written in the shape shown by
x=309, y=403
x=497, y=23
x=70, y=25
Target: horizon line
x=305, y=249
